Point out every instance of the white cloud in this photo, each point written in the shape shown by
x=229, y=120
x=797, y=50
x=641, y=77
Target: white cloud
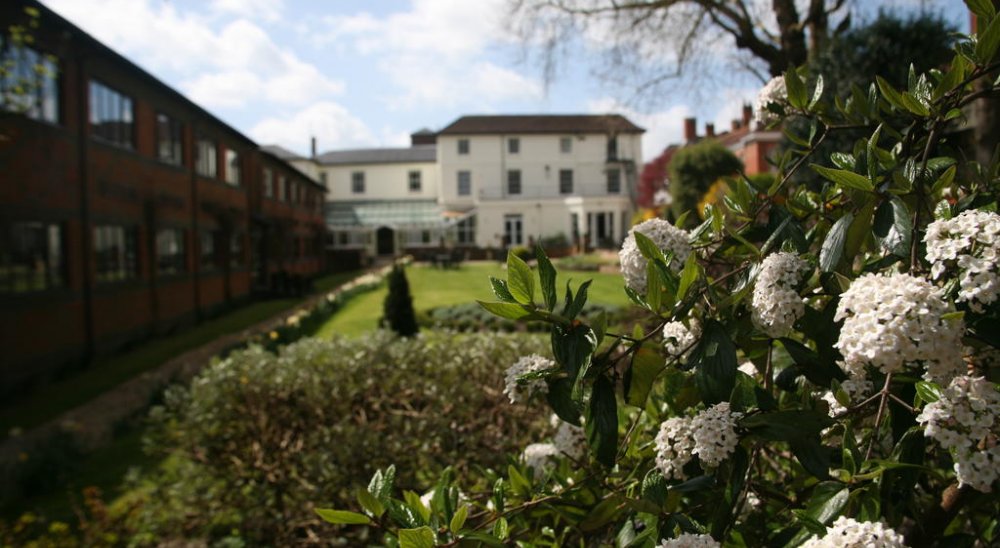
x=663, y=128
x=228, y=67
x=267, y=10
x=332, y=125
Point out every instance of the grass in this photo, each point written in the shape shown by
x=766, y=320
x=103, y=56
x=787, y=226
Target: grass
x=77, y=388
x=432, y=287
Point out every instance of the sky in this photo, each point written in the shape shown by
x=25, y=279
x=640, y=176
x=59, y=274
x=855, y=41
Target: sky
x=361, y=74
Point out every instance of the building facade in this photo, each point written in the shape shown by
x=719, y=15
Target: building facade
x=126, y=209
x=485, y=182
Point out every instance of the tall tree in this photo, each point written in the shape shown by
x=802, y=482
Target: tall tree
x=693, y=169
x=651, y=43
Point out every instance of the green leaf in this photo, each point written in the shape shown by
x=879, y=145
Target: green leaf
x=700, y=483
x=889, y=93
x=827, y=500
x=415, y=504
x=520, y=282
x=573, y=348
x=654, y=487
x=788, y=425
x=511, y=311
x=982, y=8
x=844, y=178
x=499, y=496
x=817, y=93
x=654, y=287
x=914, y=105
x=421, y=537
x=646, y=365
x=500, y=290
x=579, y=301
x=893, y=227
x=483, y=538
x=647, y=247
x=688, y=276
x=928, y=391
x=560, y=398
x=843, y=161
x=370, y=503
x=342, y=517
x=501, y=529
x=987, y=41
x=547, y=277
x=797, y=94
x=602, y=514
x=714, y=358
x=518, y=483
x=458, y=520
x=602, y=421
x=833, y=246
x=812, y=456
x=382, y=483
x=816, y=370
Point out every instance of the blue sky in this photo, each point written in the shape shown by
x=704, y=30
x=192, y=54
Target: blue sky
x=363, y=74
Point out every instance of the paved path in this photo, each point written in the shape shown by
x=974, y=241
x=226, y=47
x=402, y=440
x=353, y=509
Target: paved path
x=92, y=424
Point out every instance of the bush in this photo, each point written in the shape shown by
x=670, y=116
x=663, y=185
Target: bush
x=258, y=439
x=397, y=310
x=693, y=169
x=472, y=317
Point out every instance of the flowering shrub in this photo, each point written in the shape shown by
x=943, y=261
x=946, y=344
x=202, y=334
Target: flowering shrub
x=863, y=311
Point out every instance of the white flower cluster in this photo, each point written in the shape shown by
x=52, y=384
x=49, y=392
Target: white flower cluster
x=892, y=320
x=520, y=392
x=690, y=540
x=966, y=421
x=569, y=439
x=855, y=387
x=776, y=304
x=540, y=456
x=971, y=242
x=679, y=339
x=710, y=434
x=773, y=92
x=849, y=533
x=666, y=237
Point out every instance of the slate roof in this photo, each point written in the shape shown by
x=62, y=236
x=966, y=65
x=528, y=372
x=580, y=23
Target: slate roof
x=421, y=153
x=395, y=214
x=282, y=153
x=541, y=123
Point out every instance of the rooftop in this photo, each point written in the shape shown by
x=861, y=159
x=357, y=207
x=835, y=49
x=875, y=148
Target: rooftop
x=420, y=153
x=541, y=123
x=394, y=214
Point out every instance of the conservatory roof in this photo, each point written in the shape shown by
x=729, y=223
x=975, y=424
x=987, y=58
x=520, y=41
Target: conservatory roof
x=393, y=214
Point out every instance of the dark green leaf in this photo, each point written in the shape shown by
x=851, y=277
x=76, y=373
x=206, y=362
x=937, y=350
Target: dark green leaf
x=812, y=456
x=342, y=517
x=715, y=360
x=573, y=347
x=817, y=93
x=382, y=483
x=843, y=161
x=797, y=94
x=647, y=247
x=602, y=514
x=654, y=487
x=700, y=483
x=458, y=520
x=928, y=391
x=500, y=290
x=889, y=93
x=987, y=41
x=370, y=503
x=832, y=251
x=688, y=276
x=602, y=421
x=520, y=282
x=500, y=528
x=654, y=287
x=560, y=398
x=844, y=178
x=827, y=500
x=547, y=277
x=914, y=105
x=818, y=371
x=579, y=301
x=421, y=537
x=982, y=8
x=483, y=538
x=786, y=425
x=646, y=365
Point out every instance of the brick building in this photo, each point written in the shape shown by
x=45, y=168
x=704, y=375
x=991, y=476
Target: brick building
x=126, y=209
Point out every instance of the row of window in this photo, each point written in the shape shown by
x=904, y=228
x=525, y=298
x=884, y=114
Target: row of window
x=32, y=254
x=614, y=183
x=565, y=146
x=413, y=179
x=284, y=190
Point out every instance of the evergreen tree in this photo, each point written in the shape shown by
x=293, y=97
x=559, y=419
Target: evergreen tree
x=397, y=311
x=693, y=169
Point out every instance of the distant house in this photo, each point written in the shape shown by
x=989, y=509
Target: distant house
x=485, y=182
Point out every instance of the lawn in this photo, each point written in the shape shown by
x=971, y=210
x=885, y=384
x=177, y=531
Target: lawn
x=432, y=287
x=51, y=400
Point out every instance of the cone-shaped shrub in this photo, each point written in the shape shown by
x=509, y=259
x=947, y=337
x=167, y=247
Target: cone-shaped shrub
x=397, y=311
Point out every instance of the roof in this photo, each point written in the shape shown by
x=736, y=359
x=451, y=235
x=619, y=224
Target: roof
x=282, y=153
x=541, y=123
x=420, y=153
x=395, y=214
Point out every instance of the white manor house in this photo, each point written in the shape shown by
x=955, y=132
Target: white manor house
x=484, y=182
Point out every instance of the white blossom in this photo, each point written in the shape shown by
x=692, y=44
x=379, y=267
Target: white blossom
x=521, y=391
x=539, y=456
x=894, y=320
x=666, y=236
x=965, y=420
x=711, y=435
x=679, y=339
x=569, y=439
x=773, y=92
x=748, y=368
x=855, y=387
x=849, y=533
x=690, y=540
x=776, y=305
x=969, y=243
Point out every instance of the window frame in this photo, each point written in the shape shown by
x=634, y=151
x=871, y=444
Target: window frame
x=206, y=156
x=614, y=175
x=463, y=147
x=51, y=258
x=415, y=175
x=174, y=137
x=116, y=265
x=357, y=182
x=44, y=103
x=514, y=176
x=565, y=145
x=463, y=182
x=234, y=168
x=174, y=262
x=102, y=100
x=565, y=181
x=513, y=145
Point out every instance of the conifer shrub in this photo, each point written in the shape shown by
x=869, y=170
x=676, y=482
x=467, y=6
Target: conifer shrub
x=397, y=311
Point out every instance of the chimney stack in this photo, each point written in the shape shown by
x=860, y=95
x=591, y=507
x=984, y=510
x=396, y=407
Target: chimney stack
x=747, y=115
x=313, y=148
x=690, y=129
x=736, y=125
x=709, y=130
